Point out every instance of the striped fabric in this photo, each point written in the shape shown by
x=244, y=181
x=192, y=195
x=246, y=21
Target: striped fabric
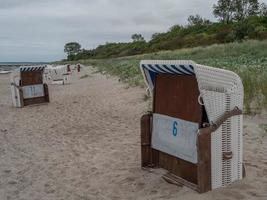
x=31, y=68
x=170, y=69
x=151, y=68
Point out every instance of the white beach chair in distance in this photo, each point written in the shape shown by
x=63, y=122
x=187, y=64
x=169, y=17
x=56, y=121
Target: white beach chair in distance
x=59, y=74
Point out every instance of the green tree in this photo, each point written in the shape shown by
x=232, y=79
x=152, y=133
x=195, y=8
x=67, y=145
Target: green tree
x=245, y=9
x=137, y=38
x=196, y=20
x=72, y=48
x=155, y=36
x=224, y=10
x=263, y=10
x=238, y=10
x=175, y=28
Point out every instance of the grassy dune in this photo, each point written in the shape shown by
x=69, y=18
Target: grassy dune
x=248, y=59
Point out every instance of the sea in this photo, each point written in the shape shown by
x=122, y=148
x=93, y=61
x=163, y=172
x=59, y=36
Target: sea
x=9, y=66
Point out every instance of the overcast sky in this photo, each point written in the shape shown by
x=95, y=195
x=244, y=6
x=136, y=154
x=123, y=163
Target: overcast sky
x=36, y=30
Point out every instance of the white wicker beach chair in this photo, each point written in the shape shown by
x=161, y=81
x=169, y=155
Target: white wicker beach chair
x=58, y=74
x=221, y=92
x=27, y=86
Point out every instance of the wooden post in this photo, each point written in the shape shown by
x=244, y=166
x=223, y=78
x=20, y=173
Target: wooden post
x=46, y=93
x=149, y=156
x=21, y=97
x=204, y=163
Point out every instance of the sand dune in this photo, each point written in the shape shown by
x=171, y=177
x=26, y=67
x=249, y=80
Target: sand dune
x=85, y=144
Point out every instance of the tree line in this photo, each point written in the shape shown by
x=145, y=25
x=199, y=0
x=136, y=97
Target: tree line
x=238, y=20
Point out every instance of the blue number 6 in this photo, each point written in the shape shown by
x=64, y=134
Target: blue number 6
x=174, y=129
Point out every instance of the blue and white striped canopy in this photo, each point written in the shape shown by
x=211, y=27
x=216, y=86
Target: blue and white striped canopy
x=151, y=68
x=31, y=68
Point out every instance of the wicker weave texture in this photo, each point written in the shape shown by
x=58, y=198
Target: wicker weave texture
x=222, y=91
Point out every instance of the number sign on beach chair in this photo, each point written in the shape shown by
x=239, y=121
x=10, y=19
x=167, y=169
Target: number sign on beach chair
x=27, y=86
x=195, y=129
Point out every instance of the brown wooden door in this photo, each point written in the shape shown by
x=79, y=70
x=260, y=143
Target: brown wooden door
x=31, y=78
x=177, y=96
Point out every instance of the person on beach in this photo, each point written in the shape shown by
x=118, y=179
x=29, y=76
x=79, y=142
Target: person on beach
x=68, y=68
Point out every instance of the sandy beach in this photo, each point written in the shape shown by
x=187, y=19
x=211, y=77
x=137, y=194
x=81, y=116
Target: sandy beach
x=85, y=145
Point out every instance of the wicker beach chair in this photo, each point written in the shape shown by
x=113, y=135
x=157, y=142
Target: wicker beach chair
x=205, y=107
x=27, y=86
x=60, y=74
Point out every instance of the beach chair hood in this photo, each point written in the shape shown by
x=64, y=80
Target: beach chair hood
x=214, y=84
x=32, y=68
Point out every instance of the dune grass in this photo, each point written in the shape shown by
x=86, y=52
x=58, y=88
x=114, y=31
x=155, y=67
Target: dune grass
x=248, y=59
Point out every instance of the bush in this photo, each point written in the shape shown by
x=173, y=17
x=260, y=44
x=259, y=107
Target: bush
x=199, y=32
x=248, y=59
